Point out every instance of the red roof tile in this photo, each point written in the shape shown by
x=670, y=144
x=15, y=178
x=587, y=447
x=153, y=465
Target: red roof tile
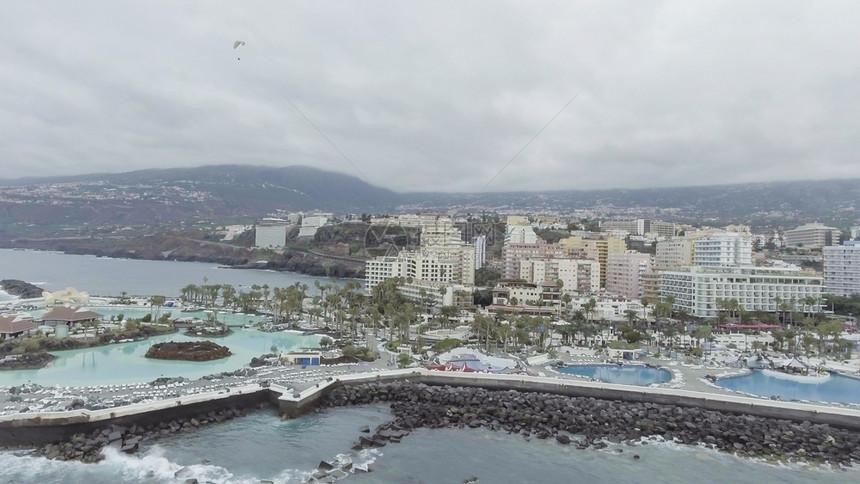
x=15, y=324
x=62, y=313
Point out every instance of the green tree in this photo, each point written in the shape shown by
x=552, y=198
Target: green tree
x=157, y=302
x=404, y=360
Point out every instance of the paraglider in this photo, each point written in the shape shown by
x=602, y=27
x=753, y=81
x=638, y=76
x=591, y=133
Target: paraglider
x=237, y=44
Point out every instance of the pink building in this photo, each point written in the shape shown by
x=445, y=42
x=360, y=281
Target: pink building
x=623, y=273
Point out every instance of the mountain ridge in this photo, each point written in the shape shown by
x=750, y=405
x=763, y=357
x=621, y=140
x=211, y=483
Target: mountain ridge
x=249, y=191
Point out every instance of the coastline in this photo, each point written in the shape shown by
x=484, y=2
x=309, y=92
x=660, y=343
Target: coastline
x=584, y=415
x=18, y=289
x=5, y=297
x=292, y=260
x=591, y=422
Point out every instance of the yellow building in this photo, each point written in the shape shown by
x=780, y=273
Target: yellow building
x=517, y=220
x=594, y=248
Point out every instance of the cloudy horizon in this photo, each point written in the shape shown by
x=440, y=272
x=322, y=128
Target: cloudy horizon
x=437, y=97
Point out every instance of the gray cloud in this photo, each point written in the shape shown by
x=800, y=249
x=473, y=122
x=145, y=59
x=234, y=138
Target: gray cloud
x=437, y=96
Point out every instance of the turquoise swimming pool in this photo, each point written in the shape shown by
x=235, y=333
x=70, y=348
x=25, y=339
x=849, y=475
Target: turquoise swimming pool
x=622, y=374
x=836, y=389
x=126, y=363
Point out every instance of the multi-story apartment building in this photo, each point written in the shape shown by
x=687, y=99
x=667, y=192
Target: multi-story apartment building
x=512, y=220
x=480, y=244
x=408, y=265
x=271, y=234
x=842, y=268
x=723, y=249
x=512, y=254
x=443, y=241
x=587, y=276
x=579, y=275
x=440, y=232
x=442, y=257
x=520, y=234
x=696, y=289
x=547, y=296
x=673, y=253
x=812, y=236
x=594, y=247
x=649, y=285
x=382, y=268
x=312, y=222
x=460, y=256
x=438, y=294
x=623, y=273
x=639, y=226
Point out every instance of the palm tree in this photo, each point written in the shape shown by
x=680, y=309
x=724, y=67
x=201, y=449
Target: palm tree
x=645, y=302
x=483, y=324
x=809, y=302
x=505, y=332
x=721, y=305
x=631, y=316
x=228, y=294
x=156, y=301
x=588, y=309
x=266, y=293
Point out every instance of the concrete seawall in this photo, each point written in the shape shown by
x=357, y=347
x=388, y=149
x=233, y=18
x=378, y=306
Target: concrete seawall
x=847, y=418
x=35, y=429
x=40, y=428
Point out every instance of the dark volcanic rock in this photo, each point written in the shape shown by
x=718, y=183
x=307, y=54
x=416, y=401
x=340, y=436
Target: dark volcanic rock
x=22, y=289
x=190, y=351
x=544, y=415
x=27, y=361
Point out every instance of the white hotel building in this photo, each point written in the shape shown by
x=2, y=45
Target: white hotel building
x=407, y=265
x=271, y=233
x=723, y=249
x=842, y=268
x=696, y=289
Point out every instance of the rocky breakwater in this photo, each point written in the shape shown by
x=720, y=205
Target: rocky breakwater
x=87, y=447
x=189, y=351
x=22, y=289
x=590, y=422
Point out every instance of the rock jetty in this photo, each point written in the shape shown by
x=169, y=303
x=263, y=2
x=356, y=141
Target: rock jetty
x=88, y=447
x=22, y=289
x=189, y=351
x=590, y=422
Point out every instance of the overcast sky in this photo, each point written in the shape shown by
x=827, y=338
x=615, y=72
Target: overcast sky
x=437, y=95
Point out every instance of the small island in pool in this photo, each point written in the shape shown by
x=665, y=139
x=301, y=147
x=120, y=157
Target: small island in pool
x=27, y=361
x=190, y=351
x=209, y=331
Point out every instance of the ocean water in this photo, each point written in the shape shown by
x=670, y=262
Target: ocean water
x=261, y=446
x=104, y=276
x=126, y=363
x=623, y=374
x=107, y=312
x=837, y=389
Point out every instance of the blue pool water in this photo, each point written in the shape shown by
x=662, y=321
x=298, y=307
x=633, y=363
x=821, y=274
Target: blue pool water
x=126, y=363
x=837, y=389
x=622, y=374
